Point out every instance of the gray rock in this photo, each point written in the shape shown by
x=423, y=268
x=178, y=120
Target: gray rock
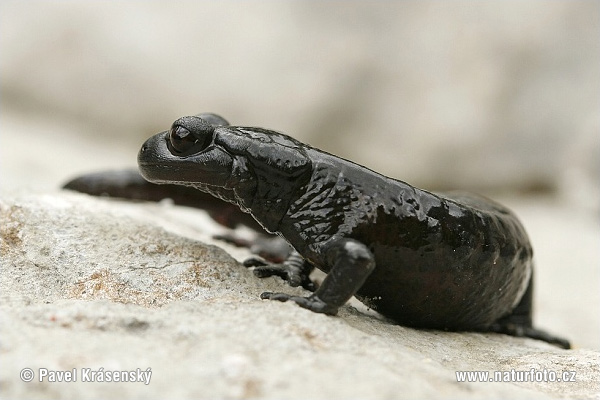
x=93, y=283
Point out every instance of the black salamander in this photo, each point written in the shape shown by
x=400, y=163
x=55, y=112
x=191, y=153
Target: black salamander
x=451, y=262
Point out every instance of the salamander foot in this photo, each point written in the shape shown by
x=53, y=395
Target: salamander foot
x=294, y=270
x=530, y=332
x=311, y=302
x=272, y=248
x=519, y=322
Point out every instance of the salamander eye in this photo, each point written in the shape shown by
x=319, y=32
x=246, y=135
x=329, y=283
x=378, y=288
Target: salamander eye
x=181, y=139
x=183, y=142
x=189, y=135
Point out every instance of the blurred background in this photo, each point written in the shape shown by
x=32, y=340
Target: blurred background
x=502, y=98
x=483, y=96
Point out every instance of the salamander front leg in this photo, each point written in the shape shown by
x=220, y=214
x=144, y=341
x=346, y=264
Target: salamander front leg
x=352, y=263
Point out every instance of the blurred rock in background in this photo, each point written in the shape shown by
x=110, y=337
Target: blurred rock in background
x=481, y=96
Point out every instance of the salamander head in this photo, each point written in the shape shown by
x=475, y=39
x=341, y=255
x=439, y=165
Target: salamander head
x=257, y=169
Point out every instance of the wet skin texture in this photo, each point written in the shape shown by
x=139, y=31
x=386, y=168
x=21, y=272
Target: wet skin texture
x=452, y=262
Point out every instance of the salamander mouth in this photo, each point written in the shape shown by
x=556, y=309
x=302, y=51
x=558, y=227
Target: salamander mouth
x=161, y=173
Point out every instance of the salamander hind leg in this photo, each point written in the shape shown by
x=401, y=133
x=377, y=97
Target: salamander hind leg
x=519, y=323
x=294, y=270
x=351, y=262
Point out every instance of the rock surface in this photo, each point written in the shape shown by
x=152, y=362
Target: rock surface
x=94, y=283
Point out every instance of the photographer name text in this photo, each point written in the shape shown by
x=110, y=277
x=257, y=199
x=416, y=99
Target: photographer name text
x=87, y=375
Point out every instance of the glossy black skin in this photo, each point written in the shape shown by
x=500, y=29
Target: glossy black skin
x=455, y=262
